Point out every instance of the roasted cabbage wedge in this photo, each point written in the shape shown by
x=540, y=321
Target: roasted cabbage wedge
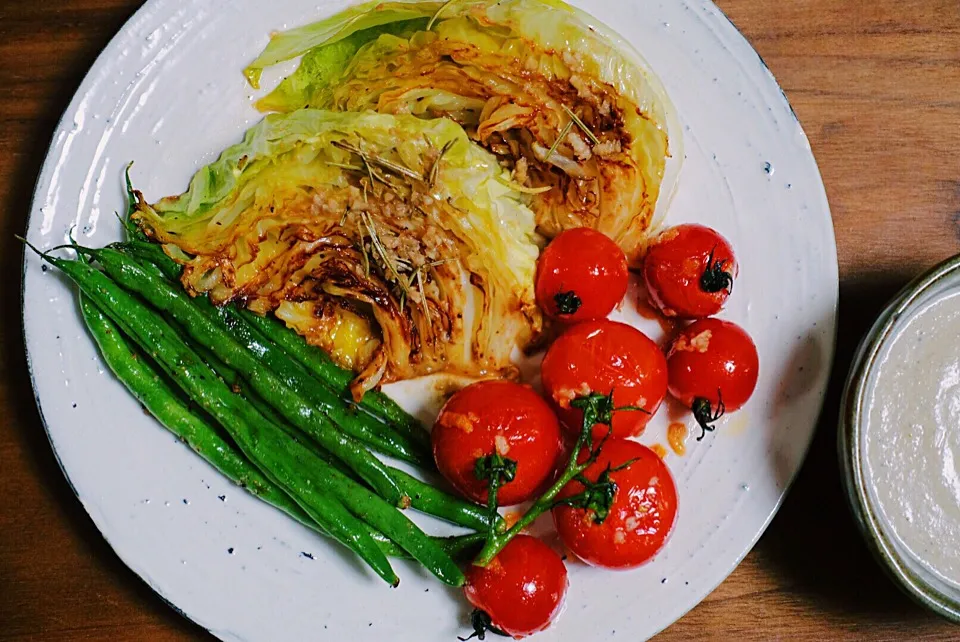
x=564, y=103
x=394, y=242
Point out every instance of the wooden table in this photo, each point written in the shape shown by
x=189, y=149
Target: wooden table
x=876, y=84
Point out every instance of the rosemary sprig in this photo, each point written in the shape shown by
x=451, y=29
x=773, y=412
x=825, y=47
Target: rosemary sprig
x=369, y=169
x=388, y=264
x=435, y=168
x=366, y=258
x=396, y=168
x=560, y=137
x=354, y=168
x=423, y=299
x=418, y=274
x=581, y=125
x=432, y=264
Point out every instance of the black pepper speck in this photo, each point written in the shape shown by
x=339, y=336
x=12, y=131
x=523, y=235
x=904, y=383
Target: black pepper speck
x=230, y=550
x=307, y=555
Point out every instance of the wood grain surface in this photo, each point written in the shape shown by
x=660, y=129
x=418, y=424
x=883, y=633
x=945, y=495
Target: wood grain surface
x=876, y=84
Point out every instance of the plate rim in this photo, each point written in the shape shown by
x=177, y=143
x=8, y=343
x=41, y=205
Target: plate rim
x=83, y=88
x=819, y=191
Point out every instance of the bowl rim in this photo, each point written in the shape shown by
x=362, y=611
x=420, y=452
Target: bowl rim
x=849, y=434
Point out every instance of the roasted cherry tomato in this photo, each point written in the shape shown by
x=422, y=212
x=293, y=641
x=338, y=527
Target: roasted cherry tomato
x=603, y=357
x=520, y=592
x=713, y=368
x=626, y=514
x=496, y=423
x=582, y=275
x=689, y=271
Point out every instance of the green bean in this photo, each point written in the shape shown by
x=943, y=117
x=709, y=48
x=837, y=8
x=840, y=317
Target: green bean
x=318, y=363
x=133, y=198
x=287, y=462
x=139, y=377
x=428, y=499
x=234, y=380
x=152, y=252
x=283, y=461
x=392, y=523
x=156, y=396
x=462, y=546
x=175, y=302
x=146, y=385
x=423, y=497
x=310, y=357
x=355, y=423
x=433, y=501
x=236, y=383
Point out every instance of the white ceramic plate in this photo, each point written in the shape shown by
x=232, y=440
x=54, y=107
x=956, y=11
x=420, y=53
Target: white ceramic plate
x=168, y=94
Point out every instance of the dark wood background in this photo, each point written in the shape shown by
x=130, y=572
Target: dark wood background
x=876, y=84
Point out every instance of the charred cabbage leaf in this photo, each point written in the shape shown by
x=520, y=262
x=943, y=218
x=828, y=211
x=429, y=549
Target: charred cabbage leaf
x=562, y=101
x=392, y=241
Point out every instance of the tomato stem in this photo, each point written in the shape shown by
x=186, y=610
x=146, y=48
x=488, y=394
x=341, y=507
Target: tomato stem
x=597, y=409
x=496, y=470
x=481, y=622
x=715, y=278
x=597, y=496
x=567, y=302
x=705, y=415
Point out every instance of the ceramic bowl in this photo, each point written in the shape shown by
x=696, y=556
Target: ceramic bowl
x=919, y=582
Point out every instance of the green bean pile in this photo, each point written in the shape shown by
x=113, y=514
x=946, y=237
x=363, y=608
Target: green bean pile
x=270, y=412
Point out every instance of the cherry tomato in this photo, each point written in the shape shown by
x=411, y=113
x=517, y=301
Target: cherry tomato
x=582, y=275
x=496, y=418
x=689, y=271
x=713, y=368
x=635, y=524
x=521, y=590
x=603, y=357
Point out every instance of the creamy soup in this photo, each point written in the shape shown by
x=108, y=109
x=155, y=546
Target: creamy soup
x=913, y=436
